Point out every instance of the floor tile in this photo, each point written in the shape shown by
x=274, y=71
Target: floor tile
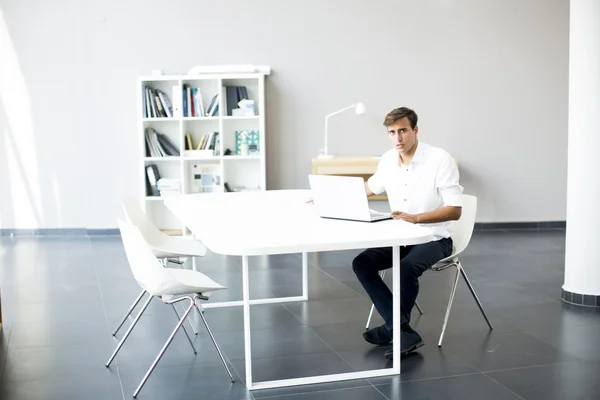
x=330, y=311
x=475, y=386
x=312, y=389
x=428, y=362
x=343, y=336
x=504, y=351
x=271, y=343
x=551, y=316
x=59, y=362
x=262, y=316
x=48, y=332
x=320, y=286
x=185, y=383
x=91, y=386
x=578, y=341
x=67, y=312
x=573, y=381
x=358, y=393
x=294, y=366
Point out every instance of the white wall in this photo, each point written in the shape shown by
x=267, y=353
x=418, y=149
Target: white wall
x=487, y=78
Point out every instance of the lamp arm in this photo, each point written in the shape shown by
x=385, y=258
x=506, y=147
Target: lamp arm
x=339, y=111
x=327, y=123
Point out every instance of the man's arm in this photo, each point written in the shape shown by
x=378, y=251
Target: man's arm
x=443, y=214
x=368, y=190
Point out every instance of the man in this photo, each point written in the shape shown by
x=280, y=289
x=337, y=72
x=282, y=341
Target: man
x=421, y=182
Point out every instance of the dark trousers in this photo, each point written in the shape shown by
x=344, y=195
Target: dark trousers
x=414, y=261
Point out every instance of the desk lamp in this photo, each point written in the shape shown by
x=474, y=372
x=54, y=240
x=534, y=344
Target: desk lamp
x=359, y=108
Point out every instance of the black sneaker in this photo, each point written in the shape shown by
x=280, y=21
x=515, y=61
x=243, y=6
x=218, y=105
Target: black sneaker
x=378, y=336
x=409, y=342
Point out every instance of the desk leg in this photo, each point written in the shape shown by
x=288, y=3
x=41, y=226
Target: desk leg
x=396, y=309
x=246, y=305
x=305, y=276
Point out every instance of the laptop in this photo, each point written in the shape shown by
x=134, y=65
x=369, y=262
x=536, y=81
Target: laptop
x=343, y=197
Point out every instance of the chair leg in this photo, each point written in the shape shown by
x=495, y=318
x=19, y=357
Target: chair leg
x=135, y=321
x=369, y=318
x=452, y=293
x=133, y=306
x=214, y=341
x=464, y=275
x=184, y=330
x=382, y=275
x=189, y=319
x=168, y=342
x=165, y=262
x=418, y=308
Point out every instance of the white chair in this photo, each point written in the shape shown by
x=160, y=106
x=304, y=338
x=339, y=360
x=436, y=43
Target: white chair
x=168, y=284
x=462, y=232
x=168, y=248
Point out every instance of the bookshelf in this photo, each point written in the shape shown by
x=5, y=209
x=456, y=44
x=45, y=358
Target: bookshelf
x=196, y=139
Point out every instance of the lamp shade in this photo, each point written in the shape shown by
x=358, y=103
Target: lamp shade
x=360, y=108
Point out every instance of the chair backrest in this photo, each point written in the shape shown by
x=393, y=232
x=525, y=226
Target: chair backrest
x=135, y=215
x=463, y=228
x=147, y=270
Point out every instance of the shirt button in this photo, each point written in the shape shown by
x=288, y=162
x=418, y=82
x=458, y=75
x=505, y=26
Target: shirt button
x=404, y=199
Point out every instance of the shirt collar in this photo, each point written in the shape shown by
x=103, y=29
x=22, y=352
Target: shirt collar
x=419, y=155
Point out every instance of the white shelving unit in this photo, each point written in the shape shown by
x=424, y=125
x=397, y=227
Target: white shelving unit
x=240, y=172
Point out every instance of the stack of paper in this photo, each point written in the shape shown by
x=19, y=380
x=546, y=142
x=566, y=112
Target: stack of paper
x=168, y=186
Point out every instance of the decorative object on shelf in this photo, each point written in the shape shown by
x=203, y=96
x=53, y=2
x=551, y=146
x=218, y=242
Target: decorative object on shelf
x=205, y=178
x=247, y=142
x=359, y=108
x=246, y=109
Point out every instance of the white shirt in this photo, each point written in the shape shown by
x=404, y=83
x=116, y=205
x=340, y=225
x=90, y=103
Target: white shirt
x=428, y=183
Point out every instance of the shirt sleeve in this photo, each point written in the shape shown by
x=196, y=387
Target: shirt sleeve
x=447, y=182
x=376, y=181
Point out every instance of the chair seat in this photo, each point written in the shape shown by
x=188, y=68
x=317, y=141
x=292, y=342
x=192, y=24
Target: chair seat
x=182, y=282
x=444, y=262
x=194, y=281
x=173, y=247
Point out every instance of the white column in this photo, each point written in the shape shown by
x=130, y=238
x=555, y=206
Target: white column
x=582, y=258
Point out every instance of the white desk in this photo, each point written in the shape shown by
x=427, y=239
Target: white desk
x=278, y=222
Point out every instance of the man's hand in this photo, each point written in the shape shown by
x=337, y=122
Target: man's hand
x=412, y=218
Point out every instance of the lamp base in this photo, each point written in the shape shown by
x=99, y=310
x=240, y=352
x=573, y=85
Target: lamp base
x=325, y=156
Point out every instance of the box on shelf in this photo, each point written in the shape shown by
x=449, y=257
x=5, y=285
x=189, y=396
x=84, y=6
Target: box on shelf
x=198, y=153
x=169, y=186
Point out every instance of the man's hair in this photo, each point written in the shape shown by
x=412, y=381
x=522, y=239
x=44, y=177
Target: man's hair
x=399, y=113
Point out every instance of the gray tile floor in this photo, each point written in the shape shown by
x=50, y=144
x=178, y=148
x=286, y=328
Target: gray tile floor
x=62, y=296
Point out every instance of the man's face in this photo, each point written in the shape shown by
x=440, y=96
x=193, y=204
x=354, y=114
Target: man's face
x=403, y=137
